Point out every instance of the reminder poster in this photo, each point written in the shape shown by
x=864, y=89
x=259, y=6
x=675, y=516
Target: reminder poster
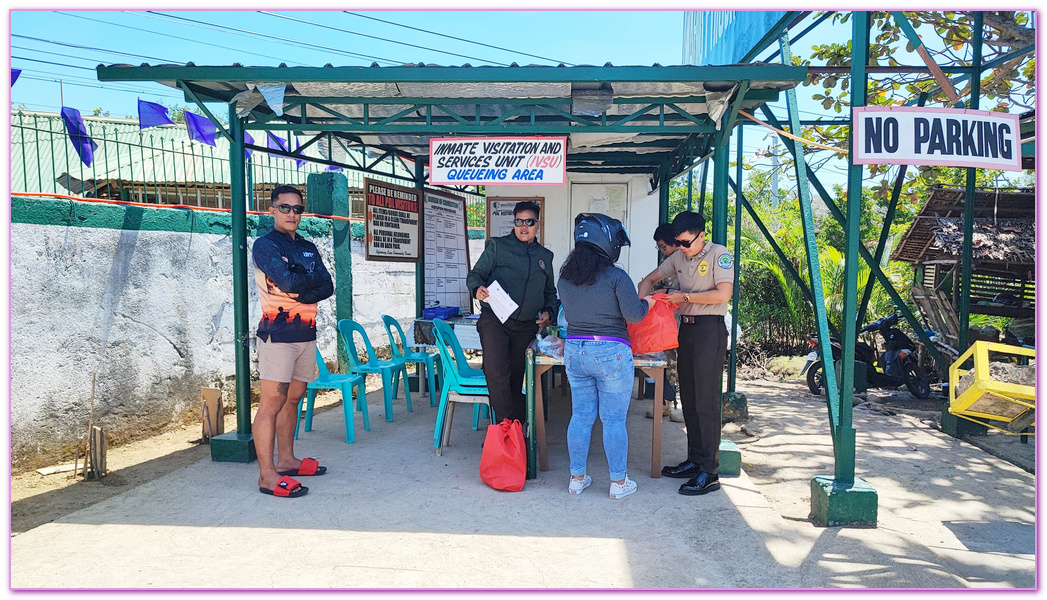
x=498, y=160
x=446, y=251
x=391, y=222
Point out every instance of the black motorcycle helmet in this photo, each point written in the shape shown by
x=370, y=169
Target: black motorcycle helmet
x=606, y=233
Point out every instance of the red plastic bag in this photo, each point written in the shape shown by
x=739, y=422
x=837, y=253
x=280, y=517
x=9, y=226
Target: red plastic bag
x=657, y=331
x=503, y=464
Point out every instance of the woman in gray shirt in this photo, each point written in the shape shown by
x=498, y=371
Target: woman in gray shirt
x=598, y=299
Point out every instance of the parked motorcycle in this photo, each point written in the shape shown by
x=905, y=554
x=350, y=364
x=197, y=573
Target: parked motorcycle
x=896, y=366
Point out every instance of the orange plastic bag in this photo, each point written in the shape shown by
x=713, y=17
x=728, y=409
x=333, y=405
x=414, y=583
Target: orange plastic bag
x=657, y=331
x=503, y=464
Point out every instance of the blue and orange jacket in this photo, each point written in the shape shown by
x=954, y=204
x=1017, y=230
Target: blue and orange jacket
x=285, y=266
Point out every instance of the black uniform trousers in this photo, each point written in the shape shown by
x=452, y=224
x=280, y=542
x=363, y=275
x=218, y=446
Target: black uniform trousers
x=703, y=346
x=504, y=346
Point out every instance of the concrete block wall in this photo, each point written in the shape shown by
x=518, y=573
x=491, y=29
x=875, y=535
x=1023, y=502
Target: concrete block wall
x=142, y=299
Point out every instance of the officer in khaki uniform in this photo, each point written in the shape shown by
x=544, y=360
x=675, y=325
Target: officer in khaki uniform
x=705, y=272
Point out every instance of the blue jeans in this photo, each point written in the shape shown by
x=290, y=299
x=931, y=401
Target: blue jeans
x=601, y=378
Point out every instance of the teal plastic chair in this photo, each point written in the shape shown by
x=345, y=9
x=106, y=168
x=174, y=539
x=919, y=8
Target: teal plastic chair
x=421, y=359
x=327, y=380
x=385, y=368
x=466, y=383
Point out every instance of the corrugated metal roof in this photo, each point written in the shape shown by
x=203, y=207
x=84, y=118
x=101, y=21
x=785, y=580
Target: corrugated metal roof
x=635, y=117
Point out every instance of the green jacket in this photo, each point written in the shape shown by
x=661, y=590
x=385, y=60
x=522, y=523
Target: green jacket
x=525, y=272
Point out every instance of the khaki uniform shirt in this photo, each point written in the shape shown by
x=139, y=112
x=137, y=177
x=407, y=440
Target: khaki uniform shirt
x=713, y=265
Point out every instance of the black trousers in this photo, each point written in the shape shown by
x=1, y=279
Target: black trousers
x=703, y=346
x=504, y=346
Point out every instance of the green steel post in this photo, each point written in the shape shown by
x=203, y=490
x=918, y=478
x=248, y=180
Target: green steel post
x=701, y=196
x=968, y=205
x=690, y=186
x=844, y=447
x=733, y=363
x=25, y=171
x=241, y=329
x=529, y=383
x=419, y=267
x=663, y=198
x=722, y=165
x=803, y=189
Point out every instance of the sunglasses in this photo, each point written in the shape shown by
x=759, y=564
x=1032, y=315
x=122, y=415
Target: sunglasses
x=527, y=222
x=684, y=244
x=287, y=208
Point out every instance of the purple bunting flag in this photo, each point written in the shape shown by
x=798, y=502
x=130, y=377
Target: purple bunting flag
x=74, y=125
x=275, y=142
x=334, y=168
x=151, y=114
x=298, y=162
x=14, y=75
x=200, y=128
x=248, y=140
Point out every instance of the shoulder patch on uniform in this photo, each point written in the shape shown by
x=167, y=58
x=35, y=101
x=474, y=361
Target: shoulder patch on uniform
x=726, y=261
x=541, y=263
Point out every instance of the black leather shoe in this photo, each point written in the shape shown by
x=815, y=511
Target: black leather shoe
x=684, y=470
x=703, y=483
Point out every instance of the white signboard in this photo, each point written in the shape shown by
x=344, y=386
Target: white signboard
x=446, y=251
x=498, y=160
x=908, y=135
x=391, y=222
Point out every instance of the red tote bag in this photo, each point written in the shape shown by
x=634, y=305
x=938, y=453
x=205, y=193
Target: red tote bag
x=657, y=331
x=503, y=464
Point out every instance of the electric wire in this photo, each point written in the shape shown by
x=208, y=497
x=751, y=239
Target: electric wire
x=456, y=38
x=268, y=36
x=73, y=56
x=65, y=81
x=47, y=62
x=374, y=37
x=151, y=32
x=35, y=39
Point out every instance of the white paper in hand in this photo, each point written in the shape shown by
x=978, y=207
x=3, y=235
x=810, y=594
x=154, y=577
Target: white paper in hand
x=502, y=304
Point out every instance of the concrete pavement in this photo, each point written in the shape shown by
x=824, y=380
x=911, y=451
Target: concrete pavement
x=391, y=514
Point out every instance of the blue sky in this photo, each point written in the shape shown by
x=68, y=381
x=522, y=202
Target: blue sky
x=579, y=37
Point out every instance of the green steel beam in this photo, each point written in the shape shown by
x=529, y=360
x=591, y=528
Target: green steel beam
x=414, y=74
x=196, y=100
x=992, y=64
x=690, y=186
x=241, y=328
x=776, y=30
x=721, y=171
x=501, y=129
x=701, y=195
x=844, y=445
x=663, y=199
x=761, y=95
x=735, y=313
x=419, y=267
x=967, y=256
x=786, y=262
x=731, y=116
x=821, y=316
x=885, y=231
x=874, y=266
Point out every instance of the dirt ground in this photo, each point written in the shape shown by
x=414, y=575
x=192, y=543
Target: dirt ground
x=38, y=499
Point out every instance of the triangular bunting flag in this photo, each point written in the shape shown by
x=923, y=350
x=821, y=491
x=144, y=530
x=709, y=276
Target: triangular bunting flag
x=74, y=124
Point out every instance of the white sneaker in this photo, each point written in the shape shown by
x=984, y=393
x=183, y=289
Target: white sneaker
x=577, y=485
x=621, y=490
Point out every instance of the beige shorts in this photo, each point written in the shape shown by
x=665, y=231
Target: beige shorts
x=284, y=361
